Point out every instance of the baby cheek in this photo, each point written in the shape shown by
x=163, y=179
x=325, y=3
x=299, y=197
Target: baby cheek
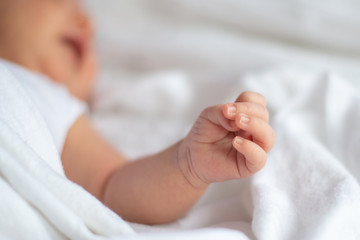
x=83, y=80
x=59, y=68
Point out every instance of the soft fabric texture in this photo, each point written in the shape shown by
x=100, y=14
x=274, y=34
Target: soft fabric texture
x=308, y=190
x=211, y=44
x=59, y=109
x=37, y=201
x=310, y=187
x=36, y=196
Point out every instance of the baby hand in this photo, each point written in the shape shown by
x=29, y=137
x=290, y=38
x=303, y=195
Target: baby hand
x=228, y=141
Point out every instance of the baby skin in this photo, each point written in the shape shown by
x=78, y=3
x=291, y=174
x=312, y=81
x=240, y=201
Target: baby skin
x=228, y=141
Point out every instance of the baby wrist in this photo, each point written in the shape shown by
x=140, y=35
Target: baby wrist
x=184, y=164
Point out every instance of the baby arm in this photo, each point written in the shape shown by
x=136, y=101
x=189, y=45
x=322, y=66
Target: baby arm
x=227, y=142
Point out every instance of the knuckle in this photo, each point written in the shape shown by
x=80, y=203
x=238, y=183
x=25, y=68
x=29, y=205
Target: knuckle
x=262, y=109
x=249, y=96
x=211, y=108
x=205, y=111
x=246, y=96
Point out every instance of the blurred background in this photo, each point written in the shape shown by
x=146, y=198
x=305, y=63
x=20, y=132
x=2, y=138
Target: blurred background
x=163, y=61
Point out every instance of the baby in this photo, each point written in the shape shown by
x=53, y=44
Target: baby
x=228, y=141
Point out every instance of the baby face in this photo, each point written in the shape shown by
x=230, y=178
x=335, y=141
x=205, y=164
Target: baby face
x=53, y=37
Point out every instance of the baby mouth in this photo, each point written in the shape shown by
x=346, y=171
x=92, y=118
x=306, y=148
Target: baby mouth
x=77, y=44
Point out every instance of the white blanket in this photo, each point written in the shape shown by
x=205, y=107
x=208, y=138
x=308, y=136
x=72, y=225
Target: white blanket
x=308, y=190
x=310, y=186
x=37, y=200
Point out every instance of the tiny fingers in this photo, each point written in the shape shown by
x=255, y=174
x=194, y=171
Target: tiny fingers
x=260, y=130
x=254, y=157
x=231, y=110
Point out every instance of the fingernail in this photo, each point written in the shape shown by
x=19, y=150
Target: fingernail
x=244, y=119
x=231, y=110
x=238, y=141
